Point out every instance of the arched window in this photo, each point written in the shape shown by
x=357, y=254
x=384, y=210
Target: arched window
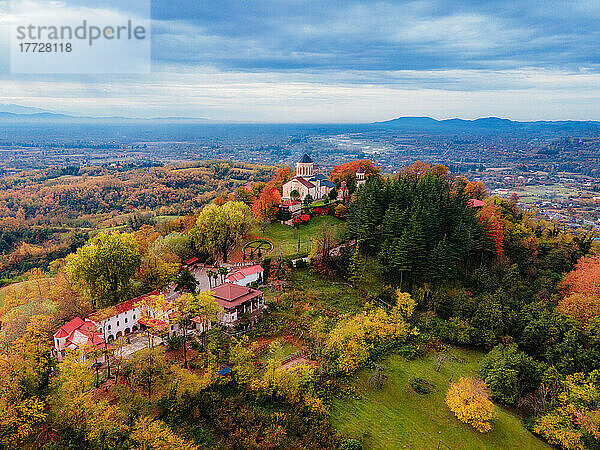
x=117, y=323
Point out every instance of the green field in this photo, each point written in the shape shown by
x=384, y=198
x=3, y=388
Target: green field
x=320, y=204
x=532, y=194
x=285, y=238
x=287, y=348
x=397, y=417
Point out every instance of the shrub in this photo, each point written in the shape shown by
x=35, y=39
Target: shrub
x=510, y=373
x=351, y=444
x=411, y=351
x=301, y=264
x=174, y=341
x=421, y=386
x=357, y=338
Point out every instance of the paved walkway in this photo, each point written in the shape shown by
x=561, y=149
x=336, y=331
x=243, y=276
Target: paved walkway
x=139, y=341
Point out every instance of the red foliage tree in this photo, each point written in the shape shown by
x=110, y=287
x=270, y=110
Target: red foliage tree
x=418, y=169
x=582, y=289
x=476, y=189
x=282, y=176
x=265, y=207
x=585, y=279
x=347, y=171
x=490, y=217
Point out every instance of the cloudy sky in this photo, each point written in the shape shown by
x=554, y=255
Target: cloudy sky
x=343, y=61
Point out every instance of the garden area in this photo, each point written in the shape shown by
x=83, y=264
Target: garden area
x=291, y=241
x=396, y=416
x=256, y=249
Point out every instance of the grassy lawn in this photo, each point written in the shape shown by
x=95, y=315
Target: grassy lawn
x=325, y=294
x=166, y=218
x=397, y=417
x=320, y=203
x=285, y=238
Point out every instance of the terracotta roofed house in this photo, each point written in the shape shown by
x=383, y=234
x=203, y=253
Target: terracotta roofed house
x=77, y=333
x=109, y=324
x=237, y=300
x=475, y=203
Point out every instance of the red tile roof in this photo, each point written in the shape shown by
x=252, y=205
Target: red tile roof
x=257, y=268
x=120, y=308
x=230, y=295
x=80, y=333
x=290, y=202
x=246, y=271
x=69, y=327
x=305, y=182
x=474, y=203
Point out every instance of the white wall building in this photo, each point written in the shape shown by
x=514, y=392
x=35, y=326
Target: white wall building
x=119, y=320
x=247, y=275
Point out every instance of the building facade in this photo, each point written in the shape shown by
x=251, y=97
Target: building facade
x=108, y=324
x=307, y=182
x=237, y=300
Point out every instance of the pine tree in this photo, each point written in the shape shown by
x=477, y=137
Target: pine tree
x=400, y=259
x=441, y=262
x=417, y=248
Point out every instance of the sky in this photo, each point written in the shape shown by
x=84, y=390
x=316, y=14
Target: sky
x=340, y=61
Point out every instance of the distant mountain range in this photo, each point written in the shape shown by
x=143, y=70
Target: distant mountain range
x=486, y=124
x=17, y=114
x=23, y=114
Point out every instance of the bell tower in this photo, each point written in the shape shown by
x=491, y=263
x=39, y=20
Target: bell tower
x=360, y=177
x=305, y=167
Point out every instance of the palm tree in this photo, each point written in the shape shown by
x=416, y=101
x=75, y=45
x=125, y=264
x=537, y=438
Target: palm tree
x=209, y=274
x=223, y=271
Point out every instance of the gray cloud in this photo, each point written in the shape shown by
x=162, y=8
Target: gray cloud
x=365, y=35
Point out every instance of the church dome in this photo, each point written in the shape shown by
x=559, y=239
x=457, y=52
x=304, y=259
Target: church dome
x=306, y=159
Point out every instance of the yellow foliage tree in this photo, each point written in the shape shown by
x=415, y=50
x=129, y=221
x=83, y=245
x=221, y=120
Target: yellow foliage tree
x=240, y=356
x=575, y=418
x=151, y=434
x=405, y=304
x=469, y=401
x=352, y=342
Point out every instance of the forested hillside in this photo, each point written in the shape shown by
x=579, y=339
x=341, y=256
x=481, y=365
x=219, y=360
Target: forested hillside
x=417, y=311
x=44, y=215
